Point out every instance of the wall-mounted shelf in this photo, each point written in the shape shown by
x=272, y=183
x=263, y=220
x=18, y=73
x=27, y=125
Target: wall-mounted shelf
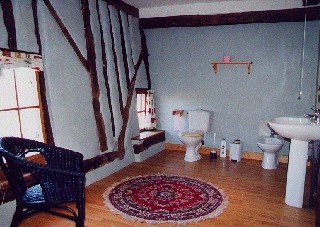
x=216, y=63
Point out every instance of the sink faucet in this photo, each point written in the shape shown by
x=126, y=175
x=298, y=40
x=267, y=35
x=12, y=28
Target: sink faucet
x=315, y=117
x=272, y=133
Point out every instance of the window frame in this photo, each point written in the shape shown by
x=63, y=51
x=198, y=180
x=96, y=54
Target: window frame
x=42, y=106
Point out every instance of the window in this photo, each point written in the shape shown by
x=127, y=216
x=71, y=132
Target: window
x=21, y=112
x=141, y=106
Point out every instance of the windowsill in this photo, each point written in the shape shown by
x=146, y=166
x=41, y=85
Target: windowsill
x=146, y=139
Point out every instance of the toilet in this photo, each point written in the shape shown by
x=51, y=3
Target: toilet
x=270, y=145
x=199, y=124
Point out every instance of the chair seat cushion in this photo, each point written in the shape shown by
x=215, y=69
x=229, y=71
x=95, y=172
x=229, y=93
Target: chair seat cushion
x=34, y=195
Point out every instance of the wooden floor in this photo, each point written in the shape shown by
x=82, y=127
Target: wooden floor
x=256, y=196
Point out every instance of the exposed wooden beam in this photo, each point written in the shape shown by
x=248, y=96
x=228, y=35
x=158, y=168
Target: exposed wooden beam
x=126, y=110
x=34, y=5
x=146, y=54
x=103, y=159
x=91, y=62
x=124, y=51
x=45, y=109
x=310, y=2
x=121, y=5
x=65, y=32
x=115, y=60
x=271, y=16
x=105, y=69
x=9, y=22
x=100, y=160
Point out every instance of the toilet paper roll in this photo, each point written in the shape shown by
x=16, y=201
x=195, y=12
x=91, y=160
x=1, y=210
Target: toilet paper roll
x=177, y=123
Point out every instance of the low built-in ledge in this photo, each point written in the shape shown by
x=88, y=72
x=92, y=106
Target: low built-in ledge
x=146, y=139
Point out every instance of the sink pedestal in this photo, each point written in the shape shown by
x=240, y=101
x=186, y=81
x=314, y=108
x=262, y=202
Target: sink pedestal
x=298, y=157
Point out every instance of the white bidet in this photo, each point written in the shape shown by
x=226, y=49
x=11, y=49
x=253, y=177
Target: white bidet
x=270, y=147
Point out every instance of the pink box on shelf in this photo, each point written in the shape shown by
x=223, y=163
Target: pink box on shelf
x=226, y=58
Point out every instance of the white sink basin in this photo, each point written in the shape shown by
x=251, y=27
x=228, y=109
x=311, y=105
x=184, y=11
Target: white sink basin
x=297, y=128
x=300, y=130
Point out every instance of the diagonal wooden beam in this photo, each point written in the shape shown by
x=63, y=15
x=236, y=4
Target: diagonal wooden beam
x=9, y=22
x=100, y=160
x=124, y=52
x=126, y=110
x=91, y=65
x=115, y=60
x=146, y=54
x=65, y=32
x=105, y=69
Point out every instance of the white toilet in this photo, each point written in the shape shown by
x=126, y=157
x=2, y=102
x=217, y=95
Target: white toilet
x=199, y=124
x=270, y=145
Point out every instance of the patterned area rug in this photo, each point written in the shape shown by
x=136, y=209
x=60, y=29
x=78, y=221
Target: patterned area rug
x=165, y=198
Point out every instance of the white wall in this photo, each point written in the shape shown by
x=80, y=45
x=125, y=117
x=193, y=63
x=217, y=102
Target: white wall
x=68, y=83
x=183, y=78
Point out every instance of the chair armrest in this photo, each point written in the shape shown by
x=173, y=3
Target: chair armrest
x=51, y=169
x=57, y=185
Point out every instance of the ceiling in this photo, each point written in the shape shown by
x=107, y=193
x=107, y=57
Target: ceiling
x=156, y=3
x=167, y=8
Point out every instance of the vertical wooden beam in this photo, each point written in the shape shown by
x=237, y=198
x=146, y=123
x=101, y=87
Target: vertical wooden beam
x=105, y=69
x=131, y=54
x=45, y=109
x=42, y=83
x=146, y=54
x=9, y=22
x=115, y=60
x=124, y=51
x=36, y=24
x=121, y=5
x=91, y=62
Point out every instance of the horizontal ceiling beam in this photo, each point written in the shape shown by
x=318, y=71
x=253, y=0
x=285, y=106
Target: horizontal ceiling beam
x=310, y=2
x=270, y=16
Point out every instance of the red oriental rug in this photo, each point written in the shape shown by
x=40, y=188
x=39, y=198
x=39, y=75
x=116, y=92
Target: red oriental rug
x=160, y=198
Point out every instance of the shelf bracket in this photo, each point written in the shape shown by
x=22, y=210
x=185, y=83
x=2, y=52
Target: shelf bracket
x=215, y=65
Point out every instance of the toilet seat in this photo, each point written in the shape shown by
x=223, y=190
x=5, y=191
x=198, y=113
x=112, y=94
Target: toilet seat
x=192, y=134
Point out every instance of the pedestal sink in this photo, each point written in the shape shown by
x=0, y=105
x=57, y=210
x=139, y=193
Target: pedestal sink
x=300, y=130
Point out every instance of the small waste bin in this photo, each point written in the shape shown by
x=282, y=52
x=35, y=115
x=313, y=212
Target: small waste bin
x=235, y=151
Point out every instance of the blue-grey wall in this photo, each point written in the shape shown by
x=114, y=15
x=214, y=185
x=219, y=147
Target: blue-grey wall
x=183, y=78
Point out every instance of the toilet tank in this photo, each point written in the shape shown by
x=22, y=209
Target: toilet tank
x=199, y=120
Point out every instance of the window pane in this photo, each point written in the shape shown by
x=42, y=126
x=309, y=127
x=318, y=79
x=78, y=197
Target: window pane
x=31, y=124
x=141, y=118
x=138, y=102
x=9, y=123
x=143, y=102
x=7, y=90
x=26, y=87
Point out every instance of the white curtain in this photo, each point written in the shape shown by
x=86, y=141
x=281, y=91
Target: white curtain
x=150, y=120
x=12, y=60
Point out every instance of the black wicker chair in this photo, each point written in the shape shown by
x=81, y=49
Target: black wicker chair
x=56, y=181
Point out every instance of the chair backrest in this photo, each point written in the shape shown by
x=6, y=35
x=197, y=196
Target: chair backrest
x=53, y=175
